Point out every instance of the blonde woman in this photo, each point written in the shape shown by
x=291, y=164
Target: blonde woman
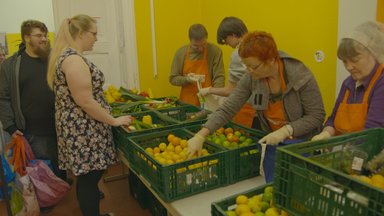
x=83, y=119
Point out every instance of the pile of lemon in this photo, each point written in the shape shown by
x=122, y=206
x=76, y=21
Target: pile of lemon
x=112, y=94
x=175, y=151
x=376, y=180
x=257, y=205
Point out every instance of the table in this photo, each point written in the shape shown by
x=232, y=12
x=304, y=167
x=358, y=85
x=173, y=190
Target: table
x=200, y=204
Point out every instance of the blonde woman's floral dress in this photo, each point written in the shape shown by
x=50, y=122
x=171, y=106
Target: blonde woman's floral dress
x=84, y=144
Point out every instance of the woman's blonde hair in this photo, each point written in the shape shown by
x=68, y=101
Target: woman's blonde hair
x=65, y=38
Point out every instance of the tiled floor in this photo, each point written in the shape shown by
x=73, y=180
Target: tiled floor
x=117, y=200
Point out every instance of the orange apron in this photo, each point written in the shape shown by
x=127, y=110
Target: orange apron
x=245, y=115
x=352, y=117
x=189, y=92
x=275, y=113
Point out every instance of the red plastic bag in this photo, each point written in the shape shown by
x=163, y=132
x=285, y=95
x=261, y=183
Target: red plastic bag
x=49, y=188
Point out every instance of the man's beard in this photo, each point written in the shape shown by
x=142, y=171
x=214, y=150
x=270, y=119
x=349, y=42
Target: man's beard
x=40, y=50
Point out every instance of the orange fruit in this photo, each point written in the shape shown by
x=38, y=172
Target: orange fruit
x=170, y=137
x=228, y=130
x=176, y=141
x=220, y=130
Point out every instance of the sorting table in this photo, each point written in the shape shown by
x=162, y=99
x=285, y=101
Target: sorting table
x=199, y=204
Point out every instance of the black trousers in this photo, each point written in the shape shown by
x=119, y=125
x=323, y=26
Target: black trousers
x=87, y=192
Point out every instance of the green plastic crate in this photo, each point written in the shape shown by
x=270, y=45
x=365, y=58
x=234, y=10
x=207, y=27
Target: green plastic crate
x=219, y=208
x=182, y=114
x=179, y=180
x=308, y=182
x=139, y=191
x=244, y=161
x=121, y=133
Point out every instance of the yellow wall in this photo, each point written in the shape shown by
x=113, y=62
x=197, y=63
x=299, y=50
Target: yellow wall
x=380, y=10
x=299, y=28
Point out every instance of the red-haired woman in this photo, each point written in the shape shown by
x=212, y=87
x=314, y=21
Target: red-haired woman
x=283, y=91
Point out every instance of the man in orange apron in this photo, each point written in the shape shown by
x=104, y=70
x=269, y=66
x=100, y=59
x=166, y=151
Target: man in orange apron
x=198, y=60
x=360, y=103
x=230, y=32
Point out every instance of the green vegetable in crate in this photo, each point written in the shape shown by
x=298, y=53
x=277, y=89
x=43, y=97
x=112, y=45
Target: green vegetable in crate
x=138, y=125
x=376, y=165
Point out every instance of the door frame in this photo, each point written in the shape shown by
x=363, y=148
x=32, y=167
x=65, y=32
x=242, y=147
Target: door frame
x=125, y=16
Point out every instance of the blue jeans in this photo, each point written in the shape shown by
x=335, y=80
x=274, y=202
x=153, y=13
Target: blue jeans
x=269, y=158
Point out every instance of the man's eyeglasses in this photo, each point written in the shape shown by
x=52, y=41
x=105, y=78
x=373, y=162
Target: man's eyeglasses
x=40, y=36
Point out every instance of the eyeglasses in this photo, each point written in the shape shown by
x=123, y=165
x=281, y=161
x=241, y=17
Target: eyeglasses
x=40, y=36
x=256, y=67
x=94, y=33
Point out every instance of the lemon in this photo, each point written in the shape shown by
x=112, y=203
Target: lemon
x=267, y=196
x=242, y=208
x=272, y=212
x=241, y=199
x=162, y=146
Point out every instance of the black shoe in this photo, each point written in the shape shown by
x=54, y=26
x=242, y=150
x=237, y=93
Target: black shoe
x=101, y=196
x=45, y=210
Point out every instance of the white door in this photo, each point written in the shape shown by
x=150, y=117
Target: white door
x=109, y=52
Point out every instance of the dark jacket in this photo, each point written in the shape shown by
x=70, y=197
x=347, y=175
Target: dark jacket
x=11, y=115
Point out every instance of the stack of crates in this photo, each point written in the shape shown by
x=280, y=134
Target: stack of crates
x=310, y=177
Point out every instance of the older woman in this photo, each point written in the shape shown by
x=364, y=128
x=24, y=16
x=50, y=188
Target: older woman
x=360, y=102
x=283, y=91
x=83, y=119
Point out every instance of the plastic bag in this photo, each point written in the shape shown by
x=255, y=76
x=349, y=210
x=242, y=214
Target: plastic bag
x=9, y=175
x=30, y=203
x=16, y=199
x=49, y=188
x=213, y=102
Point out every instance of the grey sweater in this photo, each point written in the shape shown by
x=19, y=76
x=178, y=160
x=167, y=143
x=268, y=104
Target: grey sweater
x=302, y=100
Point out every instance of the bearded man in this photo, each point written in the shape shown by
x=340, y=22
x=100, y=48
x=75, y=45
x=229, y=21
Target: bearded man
x=26, y=102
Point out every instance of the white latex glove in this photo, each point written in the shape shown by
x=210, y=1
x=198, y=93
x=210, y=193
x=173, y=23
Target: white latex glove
x=192, y=77
x=275, y=137
x=321, y=136
x=205, y=91
x=195, y=144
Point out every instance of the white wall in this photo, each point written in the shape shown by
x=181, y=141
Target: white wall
x=351, y=14
x=14, y=12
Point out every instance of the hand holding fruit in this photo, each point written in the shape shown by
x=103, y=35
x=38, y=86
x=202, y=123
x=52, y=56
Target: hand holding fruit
x=195, y=144
x=275, y=137
x=321, y=136
x=122, y=120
